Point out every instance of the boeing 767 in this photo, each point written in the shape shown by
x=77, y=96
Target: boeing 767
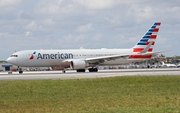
x=82, y=59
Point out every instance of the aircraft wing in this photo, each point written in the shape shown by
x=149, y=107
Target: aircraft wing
x=98, y=60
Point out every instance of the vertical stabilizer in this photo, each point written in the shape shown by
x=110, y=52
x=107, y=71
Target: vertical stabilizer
x=146, y=43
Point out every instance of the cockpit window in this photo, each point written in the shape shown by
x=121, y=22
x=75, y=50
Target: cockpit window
x=14, y=55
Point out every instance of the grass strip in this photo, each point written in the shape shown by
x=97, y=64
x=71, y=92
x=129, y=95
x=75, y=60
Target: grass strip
x=137, y=94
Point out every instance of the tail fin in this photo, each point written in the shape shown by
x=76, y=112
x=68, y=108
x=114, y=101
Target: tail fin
x=146, y=43
x=163, y=63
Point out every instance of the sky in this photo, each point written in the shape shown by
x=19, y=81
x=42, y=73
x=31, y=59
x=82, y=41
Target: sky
x=90, y=24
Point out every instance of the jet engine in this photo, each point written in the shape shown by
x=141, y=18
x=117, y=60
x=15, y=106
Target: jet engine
x=78, y=64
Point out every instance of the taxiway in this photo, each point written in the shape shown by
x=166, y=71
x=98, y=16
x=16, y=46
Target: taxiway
x=74, y=75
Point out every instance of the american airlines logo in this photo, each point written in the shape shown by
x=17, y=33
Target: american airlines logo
x=52, y=56
x=55, y=56
x=32, y=56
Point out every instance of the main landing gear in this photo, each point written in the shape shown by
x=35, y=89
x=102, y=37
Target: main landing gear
x=81, y=70
x=93, y=69
x=84, y=70
x=90, y=70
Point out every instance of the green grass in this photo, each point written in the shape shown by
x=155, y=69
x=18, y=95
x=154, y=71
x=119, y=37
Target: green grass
x=140, y=94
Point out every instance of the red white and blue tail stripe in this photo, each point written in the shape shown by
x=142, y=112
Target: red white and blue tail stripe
x=147, y=40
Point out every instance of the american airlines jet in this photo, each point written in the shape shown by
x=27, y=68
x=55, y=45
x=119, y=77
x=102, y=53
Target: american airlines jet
x=82, y=59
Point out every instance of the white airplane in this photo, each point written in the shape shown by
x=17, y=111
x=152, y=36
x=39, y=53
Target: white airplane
x=82, y=59
x=168, y=65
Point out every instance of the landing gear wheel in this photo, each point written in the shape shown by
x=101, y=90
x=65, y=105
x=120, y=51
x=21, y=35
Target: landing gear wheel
x=93, y=69
x=20, y=70
x=63, y=71
x=81, y=70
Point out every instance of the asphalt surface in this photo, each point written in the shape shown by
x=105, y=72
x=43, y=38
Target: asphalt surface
x=35, y=75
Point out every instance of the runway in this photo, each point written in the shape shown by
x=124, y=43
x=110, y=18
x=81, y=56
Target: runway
x=35, y=75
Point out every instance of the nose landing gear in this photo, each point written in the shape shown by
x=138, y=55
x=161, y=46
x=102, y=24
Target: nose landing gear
x=20, y=70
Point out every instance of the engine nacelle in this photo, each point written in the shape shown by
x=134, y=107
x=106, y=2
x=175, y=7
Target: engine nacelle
x=78, y=64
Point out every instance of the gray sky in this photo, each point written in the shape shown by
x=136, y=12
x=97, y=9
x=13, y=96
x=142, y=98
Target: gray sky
x=71, y=24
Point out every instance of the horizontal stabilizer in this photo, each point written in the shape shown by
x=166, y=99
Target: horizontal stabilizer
x=155, y=53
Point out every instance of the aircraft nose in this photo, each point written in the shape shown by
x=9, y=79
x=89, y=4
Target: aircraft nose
x=10, y=60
